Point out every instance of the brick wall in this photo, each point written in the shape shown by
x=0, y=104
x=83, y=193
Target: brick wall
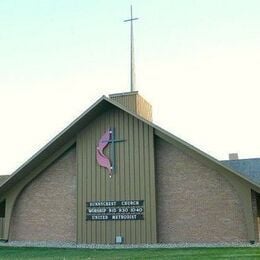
x=194, y=202
x=254, y=209
x=46, y=209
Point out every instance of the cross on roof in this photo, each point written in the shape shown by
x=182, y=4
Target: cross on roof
x=132, y=74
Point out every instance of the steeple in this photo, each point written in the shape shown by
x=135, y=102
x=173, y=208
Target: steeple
x=132, y=100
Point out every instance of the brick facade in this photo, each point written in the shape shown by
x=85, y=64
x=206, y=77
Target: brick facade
x=194, y=202
x=255, y=205
x=46, y=208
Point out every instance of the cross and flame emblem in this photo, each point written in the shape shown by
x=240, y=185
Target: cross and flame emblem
x=108, y=138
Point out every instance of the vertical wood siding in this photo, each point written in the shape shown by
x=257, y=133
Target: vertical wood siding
x=128, y=101
x=143, y=108
x=135, y=103
x=133, y=179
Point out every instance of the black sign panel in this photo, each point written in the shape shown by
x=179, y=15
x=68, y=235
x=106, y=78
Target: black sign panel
x=115, y=210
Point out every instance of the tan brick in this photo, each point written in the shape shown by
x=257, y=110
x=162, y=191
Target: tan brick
x=255, y=213
x=46, y=208
x=194, y=202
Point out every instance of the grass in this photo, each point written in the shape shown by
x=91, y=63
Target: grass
x=162, y=253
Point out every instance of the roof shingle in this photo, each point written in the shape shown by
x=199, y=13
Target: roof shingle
x=249, y=168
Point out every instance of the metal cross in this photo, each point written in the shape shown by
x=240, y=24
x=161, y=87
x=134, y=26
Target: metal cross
x=132, y=79
x=112, y=141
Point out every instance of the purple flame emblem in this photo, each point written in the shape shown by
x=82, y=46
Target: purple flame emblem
x=107, y=138
x=102, y=159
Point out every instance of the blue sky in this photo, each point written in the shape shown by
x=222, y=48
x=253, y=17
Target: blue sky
x=197, y=62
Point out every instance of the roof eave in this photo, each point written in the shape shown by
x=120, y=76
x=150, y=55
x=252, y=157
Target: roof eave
x=67, y=135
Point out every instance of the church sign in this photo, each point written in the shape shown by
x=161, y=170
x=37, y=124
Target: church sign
x=115, y=210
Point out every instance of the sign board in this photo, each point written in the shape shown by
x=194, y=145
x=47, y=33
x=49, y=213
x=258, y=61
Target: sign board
x=115, y=210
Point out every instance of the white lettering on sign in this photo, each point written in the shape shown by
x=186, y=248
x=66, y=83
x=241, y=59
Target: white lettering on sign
x=97, y=210
x=115, y=210
x=130, y=203
x=99, y=217
x=123, y=217
x=102, y=203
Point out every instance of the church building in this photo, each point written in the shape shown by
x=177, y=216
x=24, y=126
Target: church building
x=113, y=176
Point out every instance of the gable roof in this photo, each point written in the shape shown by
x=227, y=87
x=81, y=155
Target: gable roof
x=70, y=132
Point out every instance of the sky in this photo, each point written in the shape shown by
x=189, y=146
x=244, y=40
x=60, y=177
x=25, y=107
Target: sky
x=197, y=62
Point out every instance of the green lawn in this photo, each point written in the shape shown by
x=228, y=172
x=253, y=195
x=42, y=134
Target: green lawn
x=163, y=253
